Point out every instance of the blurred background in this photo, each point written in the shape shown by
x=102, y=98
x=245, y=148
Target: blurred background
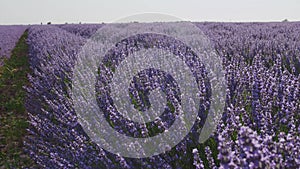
x=98, y=11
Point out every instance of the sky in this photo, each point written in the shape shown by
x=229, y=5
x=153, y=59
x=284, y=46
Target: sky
x=98, y=11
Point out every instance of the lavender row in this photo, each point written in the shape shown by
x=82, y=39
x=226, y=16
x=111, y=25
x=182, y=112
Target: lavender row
x=57, y=139
x=251, y=39
x=260, y=127
x=83, y=30
x=9, y=36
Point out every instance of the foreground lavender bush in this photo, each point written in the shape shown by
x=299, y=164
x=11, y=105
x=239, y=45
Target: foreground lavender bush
x=259, y=128
x=9, y=36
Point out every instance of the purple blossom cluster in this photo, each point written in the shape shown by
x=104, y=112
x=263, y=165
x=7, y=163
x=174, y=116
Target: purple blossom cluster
x=260, y=124
x=9, y=36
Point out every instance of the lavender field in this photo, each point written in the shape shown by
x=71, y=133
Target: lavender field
x=259, y=128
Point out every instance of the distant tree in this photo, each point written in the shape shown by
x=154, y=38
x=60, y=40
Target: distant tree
x=285, y=20
x=48, y=23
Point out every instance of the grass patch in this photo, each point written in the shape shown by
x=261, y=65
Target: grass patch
x=212, y=143
x=13, y=116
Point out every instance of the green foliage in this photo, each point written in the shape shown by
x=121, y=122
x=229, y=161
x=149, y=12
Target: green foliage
x=213, y=144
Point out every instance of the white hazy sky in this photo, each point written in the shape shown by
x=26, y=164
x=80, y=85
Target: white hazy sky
x=95, y=11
